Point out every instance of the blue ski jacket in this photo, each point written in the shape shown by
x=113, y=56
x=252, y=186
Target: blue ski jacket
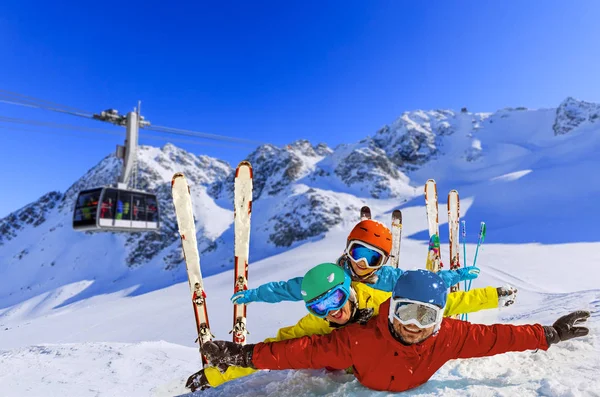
x=387, y=276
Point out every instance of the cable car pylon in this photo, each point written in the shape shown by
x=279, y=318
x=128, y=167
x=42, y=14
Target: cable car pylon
x=118, y=208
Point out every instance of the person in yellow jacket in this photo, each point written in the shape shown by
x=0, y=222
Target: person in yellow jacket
x=333, y=301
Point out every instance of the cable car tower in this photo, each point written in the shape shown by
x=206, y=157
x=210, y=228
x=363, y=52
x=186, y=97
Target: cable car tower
x=119, y=208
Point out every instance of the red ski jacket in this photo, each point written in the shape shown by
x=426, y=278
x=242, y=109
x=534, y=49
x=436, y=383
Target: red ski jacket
x=382, y=363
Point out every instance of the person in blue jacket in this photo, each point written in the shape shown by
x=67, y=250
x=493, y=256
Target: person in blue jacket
x=367, y=250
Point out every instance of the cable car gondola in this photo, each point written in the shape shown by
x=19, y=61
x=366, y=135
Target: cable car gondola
x=118, y=208
x=112, y=209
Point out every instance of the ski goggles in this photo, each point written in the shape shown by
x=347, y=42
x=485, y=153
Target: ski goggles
x=371, y=256
x=333, y=299
x=423, y=315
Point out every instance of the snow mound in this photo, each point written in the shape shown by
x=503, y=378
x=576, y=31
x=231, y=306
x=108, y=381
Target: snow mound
x=567, y=369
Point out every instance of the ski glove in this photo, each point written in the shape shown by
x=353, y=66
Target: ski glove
x=220, y=352
x=453, y=277
x=199, y=381
x=362, y=316
x=565, y=328
x=506, y=295
x=468, y=273
x=245, y=297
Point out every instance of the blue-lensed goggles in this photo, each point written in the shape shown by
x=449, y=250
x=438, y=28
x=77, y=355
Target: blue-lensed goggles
x=332, y=300
x=372, y=256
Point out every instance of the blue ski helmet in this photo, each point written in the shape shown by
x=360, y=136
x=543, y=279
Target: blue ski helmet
x=422, y=286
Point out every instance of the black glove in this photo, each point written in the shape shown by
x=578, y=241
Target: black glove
x=362, y=316
x=565, y=327
x=198, y=381
x=220, y=352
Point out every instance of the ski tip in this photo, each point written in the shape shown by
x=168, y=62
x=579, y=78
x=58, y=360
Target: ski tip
x=365, y=212
x=176, y=176
x=430, y=185
x=243, y=163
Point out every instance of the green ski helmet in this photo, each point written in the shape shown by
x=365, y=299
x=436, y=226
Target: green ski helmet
x=321, y=279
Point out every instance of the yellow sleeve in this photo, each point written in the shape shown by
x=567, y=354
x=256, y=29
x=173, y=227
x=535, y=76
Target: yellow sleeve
x=471, y=301
x=217, y=378
x=368, y=297
x=308, y=325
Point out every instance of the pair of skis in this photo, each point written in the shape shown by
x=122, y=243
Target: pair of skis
x=434, y=256
x=365, y=213
x=185, y=220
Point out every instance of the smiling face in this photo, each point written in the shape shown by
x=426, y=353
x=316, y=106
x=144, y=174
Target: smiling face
x=410, y=333
x=360, y=268
x=341, y=316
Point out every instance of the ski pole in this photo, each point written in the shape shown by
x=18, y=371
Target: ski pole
x=479, y=242
x=464, y=316
x=464, y=239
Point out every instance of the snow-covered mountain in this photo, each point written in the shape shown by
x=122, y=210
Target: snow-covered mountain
x=301, y=191
x=530, y=174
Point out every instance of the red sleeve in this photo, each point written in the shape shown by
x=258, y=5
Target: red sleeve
x=316, y=351
x=476, y=340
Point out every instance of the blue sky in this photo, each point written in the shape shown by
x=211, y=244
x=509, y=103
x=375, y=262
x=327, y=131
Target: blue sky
x=326, y=71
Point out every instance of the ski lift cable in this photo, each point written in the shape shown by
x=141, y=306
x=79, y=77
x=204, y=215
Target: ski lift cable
x=29, y=101
x=86, y=130
x=34, y=99
x=63, y=133
x=50, y=124
x=178, y=131
x=193, y=142
x=4, y=119
x=40, y=106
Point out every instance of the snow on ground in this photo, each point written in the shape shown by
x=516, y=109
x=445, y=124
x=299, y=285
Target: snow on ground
x=114, y=344
x=534, y=190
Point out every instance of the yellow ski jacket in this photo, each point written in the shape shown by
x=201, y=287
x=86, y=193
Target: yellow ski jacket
x=366, y=297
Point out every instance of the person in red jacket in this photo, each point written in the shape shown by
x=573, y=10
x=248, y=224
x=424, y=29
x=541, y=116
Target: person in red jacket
x=403, y=350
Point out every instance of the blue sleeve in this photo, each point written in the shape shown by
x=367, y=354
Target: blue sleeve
x=278, y=291
x=450, y=277
x=387, y=276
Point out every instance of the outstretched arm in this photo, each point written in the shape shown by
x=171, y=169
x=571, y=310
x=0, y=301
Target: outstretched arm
x=387, y=276
x=452, y=277
x=316, y=351
x=274, y=292
x=475, y=340
x=471, y=301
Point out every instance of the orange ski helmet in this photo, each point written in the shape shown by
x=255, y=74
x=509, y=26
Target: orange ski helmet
x=374, y=233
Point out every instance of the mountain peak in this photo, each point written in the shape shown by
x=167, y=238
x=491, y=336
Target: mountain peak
x=572, y=113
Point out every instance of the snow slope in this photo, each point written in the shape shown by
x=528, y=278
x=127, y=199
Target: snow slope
x=109, y=314
x=98, y=346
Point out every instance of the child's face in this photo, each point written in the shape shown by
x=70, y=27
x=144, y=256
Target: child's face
x=360, y=267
